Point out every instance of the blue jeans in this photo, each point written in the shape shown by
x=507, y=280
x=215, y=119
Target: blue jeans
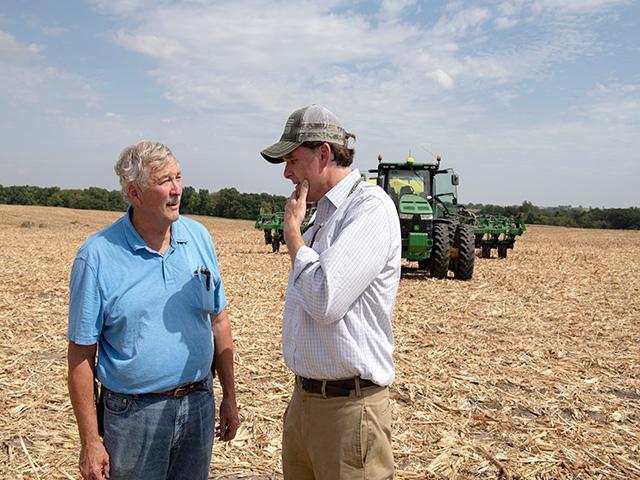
x=154, y=437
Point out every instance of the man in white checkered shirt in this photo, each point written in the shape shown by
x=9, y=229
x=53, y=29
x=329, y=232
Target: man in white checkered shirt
x=336, y=333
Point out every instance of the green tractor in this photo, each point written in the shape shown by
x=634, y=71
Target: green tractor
x=498, y=232
x=273, y=225
x=433, y=232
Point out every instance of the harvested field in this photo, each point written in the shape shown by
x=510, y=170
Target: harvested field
x=530, y=370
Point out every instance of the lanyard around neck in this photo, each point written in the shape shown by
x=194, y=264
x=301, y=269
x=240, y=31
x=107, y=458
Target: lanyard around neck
x=353, y=189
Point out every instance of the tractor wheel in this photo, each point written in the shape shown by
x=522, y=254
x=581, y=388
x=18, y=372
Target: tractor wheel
x=502, y=251
x=485, y=252
x=439, y=261
x=275, y=245
x=267, y=237
x=465, y=243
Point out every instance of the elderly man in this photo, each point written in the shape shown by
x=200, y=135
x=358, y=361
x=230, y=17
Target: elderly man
x=336, y=333
x=145, y=295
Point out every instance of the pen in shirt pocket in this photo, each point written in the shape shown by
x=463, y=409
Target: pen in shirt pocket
x=202, y=270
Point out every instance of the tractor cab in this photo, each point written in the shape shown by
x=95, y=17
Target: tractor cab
x=419, y=188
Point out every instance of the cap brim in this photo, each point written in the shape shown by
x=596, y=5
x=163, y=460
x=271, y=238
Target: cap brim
x=275, y=152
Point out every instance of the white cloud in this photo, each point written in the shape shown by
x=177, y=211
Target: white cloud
x=12, y=50
x=152, y=45
x=21, y=74
x=575, y=6
x=615, y=104
x=443, y=78
x=391, y=10
x=460, y=23
x=505, y=22
x=126, y=7
x=55, y=31
x=27, y=79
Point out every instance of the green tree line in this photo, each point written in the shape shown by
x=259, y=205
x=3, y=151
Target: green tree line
x=227, y=202
x=231, y=203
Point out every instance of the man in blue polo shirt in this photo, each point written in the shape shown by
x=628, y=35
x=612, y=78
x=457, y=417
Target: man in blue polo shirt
x=147, y=297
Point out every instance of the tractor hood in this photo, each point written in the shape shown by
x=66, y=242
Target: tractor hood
x=411, y=204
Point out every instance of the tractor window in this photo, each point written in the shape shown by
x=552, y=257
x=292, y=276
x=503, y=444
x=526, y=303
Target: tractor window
x=445, y=189
x=405, y=181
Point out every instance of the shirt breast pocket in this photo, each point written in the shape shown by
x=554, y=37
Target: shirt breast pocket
x=202, y=287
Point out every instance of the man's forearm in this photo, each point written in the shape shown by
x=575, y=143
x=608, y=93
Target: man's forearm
x=293, y=239
x=224, y=354
x=80, y=382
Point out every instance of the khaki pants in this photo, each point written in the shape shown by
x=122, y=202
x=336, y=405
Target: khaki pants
x=338, y=438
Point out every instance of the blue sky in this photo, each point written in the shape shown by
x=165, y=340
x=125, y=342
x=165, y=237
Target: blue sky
x=528, y=100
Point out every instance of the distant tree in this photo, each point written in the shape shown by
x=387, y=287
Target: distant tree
x=185, y=200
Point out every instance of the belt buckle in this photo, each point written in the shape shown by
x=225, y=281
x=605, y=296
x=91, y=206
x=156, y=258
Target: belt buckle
x=181, y=391
x=307, y=384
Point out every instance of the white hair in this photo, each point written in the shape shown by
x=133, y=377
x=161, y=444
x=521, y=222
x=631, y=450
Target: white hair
x=137, y=162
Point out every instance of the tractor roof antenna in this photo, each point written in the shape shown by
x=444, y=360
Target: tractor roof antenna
x=436, y=155
x=426, y=149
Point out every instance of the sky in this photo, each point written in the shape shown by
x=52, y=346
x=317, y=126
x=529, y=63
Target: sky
x=533, y=101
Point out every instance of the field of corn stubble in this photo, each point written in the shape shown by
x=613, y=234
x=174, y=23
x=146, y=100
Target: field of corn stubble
x=530, y=370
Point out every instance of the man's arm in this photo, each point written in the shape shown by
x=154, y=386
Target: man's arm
x=94, y=459
x=329, y=282
x=229, y=420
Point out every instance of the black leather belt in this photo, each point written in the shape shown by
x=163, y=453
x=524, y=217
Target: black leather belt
x=183, y=390
x=334, y=388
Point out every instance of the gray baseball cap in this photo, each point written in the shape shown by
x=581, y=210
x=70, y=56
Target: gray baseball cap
x=309, y=124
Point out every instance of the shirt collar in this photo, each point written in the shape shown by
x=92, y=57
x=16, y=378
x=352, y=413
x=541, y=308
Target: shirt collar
x=342, y=189
x=136, y=242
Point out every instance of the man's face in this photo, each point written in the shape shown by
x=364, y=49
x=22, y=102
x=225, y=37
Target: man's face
x=303, y=164
x=160, y=199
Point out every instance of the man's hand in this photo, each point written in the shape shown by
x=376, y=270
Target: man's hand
x=94, y=461
x=296, y=207
x=294, y=213
x=229, y=420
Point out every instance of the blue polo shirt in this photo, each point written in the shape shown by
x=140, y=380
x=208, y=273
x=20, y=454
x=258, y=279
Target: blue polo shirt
x=148, y=313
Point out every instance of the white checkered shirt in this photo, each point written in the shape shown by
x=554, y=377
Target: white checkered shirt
x=341, y=292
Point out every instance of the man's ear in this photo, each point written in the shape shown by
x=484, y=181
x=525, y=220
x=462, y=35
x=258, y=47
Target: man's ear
x=133, y=193
x=326, y=155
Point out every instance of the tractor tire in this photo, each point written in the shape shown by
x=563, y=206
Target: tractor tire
x=485, y=251
x=439, y=260
x=502, y=251
x=464, y=241
x=275, y=245
x=267, y=237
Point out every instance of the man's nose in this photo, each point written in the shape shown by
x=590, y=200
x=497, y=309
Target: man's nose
x=287, y=171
